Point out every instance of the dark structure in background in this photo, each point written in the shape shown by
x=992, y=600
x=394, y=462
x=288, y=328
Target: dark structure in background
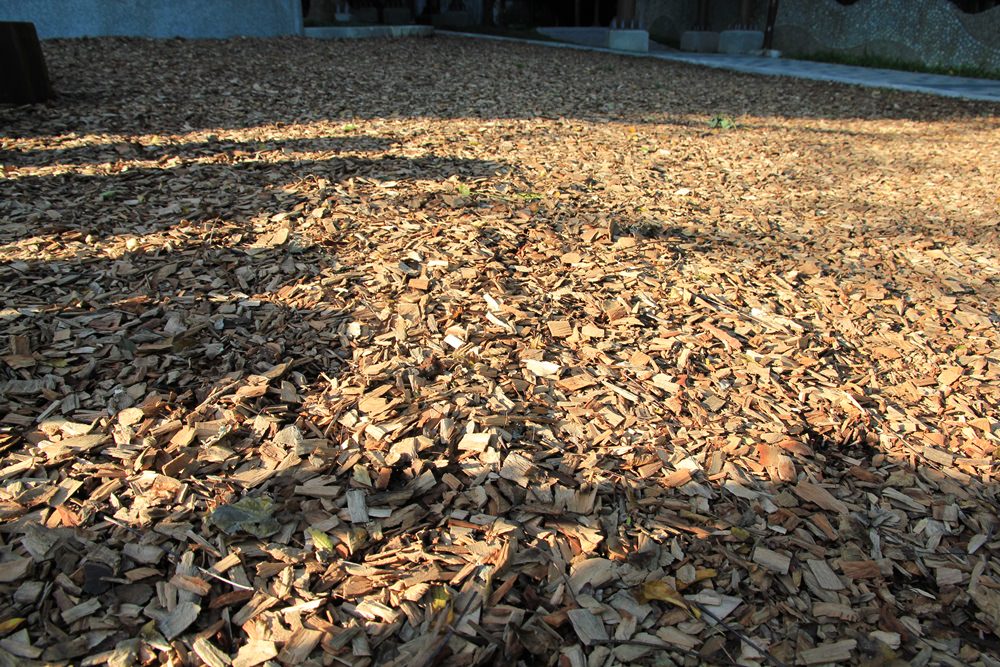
x=967, y=6
x=579, y=12
x=976, y=6
x=746, y=14
x=25, y=79
x=517, y=13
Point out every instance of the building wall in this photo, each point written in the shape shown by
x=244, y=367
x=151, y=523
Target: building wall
x=927, y=32
x=930, y=32
x=194, y=19
x=399, y=12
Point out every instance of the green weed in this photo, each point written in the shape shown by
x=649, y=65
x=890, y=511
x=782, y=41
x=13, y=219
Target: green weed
x=721, y=122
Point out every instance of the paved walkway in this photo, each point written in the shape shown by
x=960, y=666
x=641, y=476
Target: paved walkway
x=934, y=84
x=917, y=82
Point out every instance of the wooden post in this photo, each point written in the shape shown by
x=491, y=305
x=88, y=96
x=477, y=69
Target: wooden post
x=746, y=14
x=26, y=79
x=704, y=22
x=626, y=13
x=772, y=16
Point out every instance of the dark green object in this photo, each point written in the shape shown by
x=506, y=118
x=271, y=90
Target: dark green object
x=247, y=515
x=25, y=79
x=721, y=122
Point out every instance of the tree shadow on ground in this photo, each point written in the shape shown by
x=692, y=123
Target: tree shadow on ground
x=197, y=182
x=176, y=87
x=221, y=150
x=198, y=248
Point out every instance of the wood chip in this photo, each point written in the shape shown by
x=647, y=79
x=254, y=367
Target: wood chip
x=560, y=328
x=813, y=493
x=357, y=506
x=588, y=627
x=209, y=653
x=772, y=560
x=299, y=646
x=517, y=468
x=838, y=652
x=81, y=610
x=14, y=569
x=825, y=575
x=594, y=572
x=177, y=621
x=477, y=442
x=255, y=652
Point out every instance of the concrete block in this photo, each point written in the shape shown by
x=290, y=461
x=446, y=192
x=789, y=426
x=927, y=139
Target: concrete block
x=741, y=41
x=700, y=41
x=629, y=40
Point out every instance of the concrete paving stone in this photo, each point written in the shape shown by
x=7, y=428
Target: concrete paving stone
x=628, y=40
x=700, y=41
x=740, y=41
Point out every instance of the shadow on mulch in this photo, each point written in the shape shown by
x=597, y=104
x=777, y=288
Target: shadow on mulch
x=180, y=86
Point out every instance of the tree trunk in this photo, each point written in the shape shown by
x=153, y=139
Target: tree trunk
x=26, y=79
x=488, y=12
x=380, y=11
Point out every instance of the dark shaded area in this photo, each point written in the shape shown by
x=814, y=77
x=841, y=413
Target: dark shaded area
x=220, y=150
x=233, y=185
x=233, y=343
x=967, y=6
x=166, y=87
x=975, y=6
x=211, y=206
x=25, y=79
x=564, y=13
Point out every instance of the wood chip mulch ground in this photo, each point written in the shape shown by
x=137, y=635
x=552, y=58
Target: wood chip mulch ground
x=464, y=353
